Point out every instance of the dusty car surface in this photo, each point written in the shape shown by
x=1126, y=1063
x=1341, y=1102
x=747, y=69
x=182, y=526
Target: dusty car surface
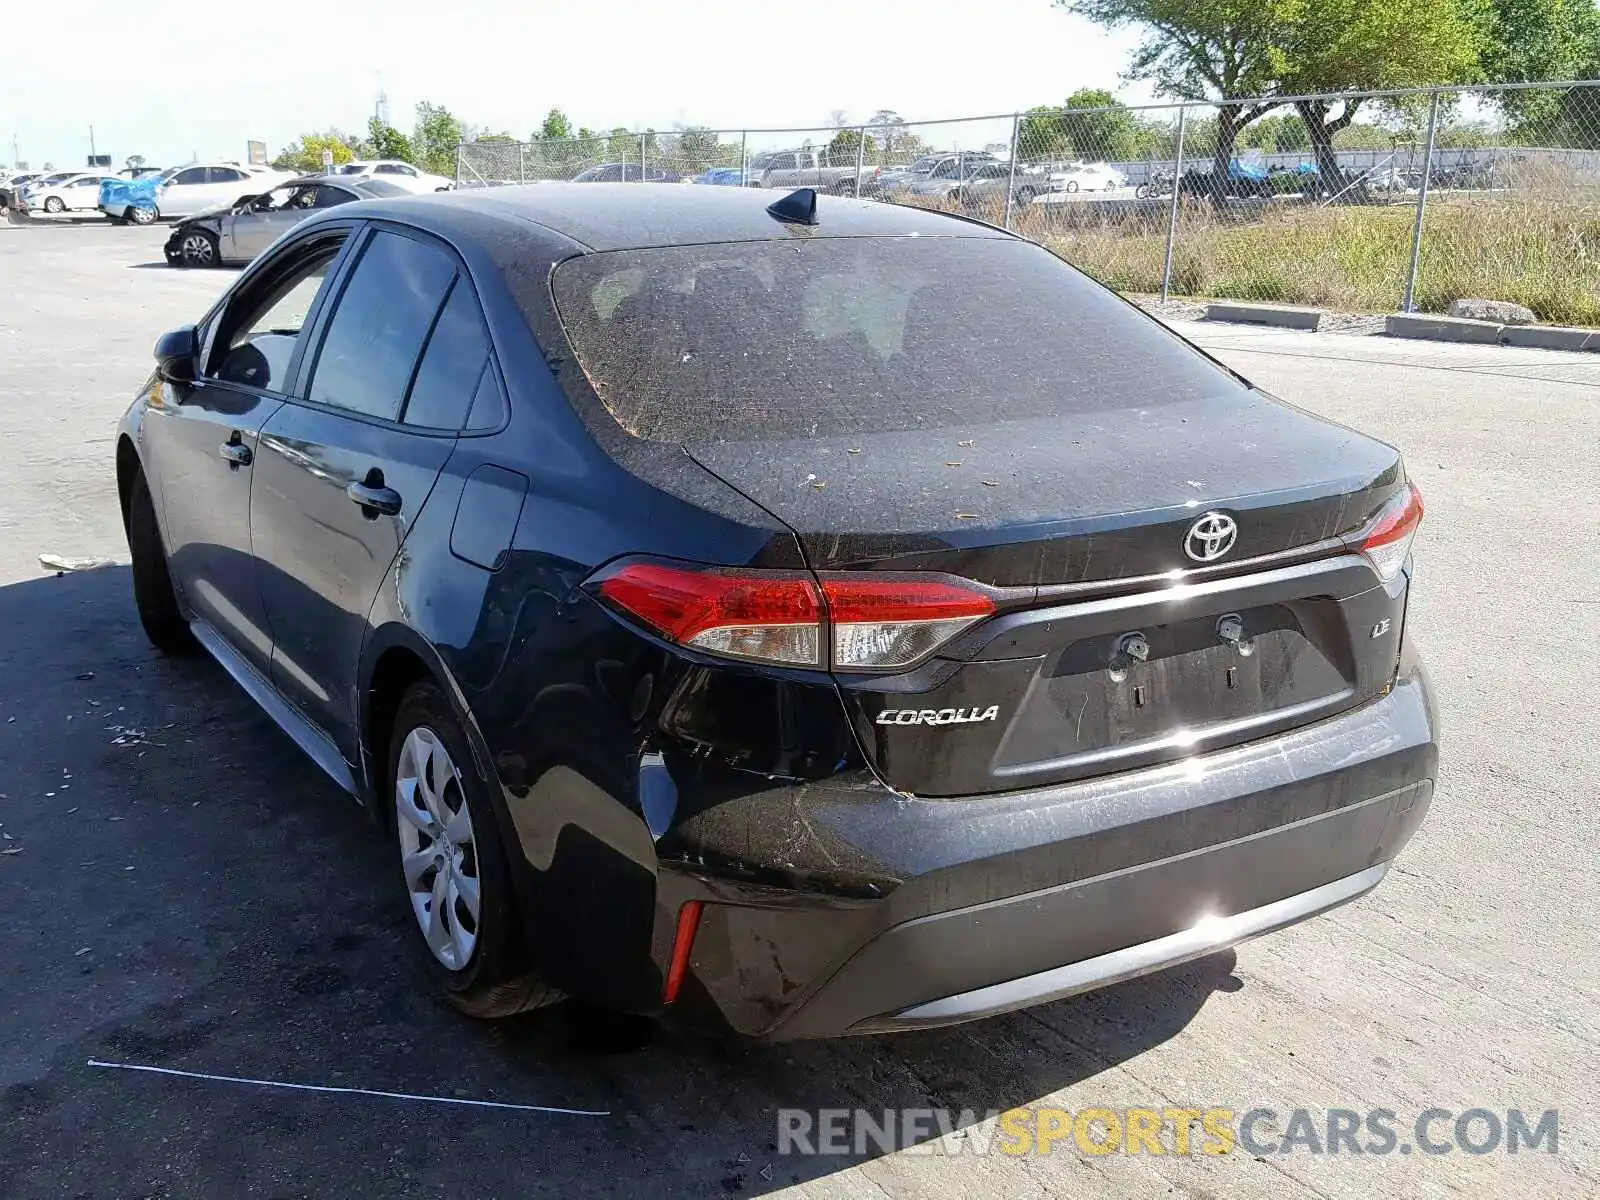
x=813, y=615
x=235, y=233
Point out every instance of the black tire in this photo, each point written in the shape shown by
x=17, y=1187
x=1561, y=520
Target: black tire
x=153, y=593
x=142, y=216
x=496, y=980
x=1025, y=196
x=53, y=204
x=1071, y=185
x=199, y=248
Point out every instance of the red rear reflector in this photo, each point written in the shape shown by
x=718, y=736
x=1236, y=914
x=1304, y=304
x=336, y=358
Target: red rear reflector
x=682, y=947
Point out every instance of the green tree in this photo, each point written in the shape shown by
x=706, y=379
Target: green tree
x=1528, y=40
x=889, y=130
x=555, y=127
x=1277, y=133
x=1370, y=45
x=622, y=146
x=1204, y=50
x=695, y=149
x=842, y=147
x=1090, y=125
x=304, y=154
x=385, y=141
x=1255, y=50
x=434, y=140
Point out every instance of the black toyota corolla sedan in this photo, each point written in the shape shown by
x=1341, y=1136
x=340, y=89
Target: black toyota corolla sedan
x=818, y=615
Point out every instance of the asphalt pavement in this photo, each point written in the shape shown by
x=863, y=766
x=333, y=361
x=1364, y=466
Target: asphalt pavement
x=180, y=889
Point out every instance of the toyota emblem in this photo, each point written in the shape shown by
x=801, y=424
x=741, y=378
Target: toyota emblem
x=1210, y=537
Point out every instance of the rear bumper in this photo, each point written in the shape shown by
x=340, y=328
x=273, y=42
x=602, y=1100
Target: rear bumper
x=965, y=908
x=1206, y=936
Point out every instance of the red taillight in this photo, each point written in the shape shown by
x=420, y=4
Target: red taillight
x=682, y=947
x=1389, y=540
x=769, y=615
x=872, y=622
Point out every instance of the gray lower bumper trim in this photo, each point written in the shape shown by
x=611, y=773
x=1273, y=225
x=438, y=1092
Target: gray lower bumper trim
x=1206, y=937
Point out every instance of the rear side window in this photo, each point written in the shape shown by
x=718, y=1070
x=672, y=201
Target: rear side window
x=452, y=365
x=805, y=338
x=379, y=325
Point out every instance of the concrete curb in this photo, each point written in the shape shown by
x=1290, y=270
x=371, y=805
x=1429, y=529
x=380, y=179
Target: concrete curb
x=1442, y=329
x=1488, y=333
x=1551, y=337
x=1278, y=315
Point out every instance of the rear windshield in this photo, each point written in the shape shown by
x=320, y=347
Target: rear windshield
x=812, y=337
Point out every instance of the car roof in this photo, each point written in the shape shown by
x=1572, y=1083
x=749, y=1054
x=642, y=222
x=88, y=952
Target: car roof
x=619, y=216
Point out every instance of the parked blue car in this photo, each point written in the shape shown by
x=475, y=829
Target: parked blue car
x=132, y=199
x=722, y=177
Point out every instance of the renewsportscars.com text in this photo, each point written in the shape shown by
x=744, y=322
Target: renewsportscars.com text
x=1167, y=1130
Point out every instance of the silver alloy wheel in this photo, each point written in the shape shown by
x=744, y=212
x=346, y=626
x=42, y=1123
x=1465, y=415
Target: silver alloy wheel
x=140, y=215
x=437, y=851
x=197, y=250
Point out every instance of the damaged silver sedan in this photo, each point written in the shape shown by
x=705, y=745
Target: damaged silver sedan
x=233, y=234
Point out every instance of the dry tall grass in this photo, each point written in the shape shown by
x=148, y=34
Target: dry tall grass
x=1536, y=243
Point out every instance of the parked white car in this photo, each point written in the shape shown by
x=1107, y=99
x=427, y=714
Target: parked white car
x=37, y=185
x=392, y=170
x=72, y=194
x=184, y=191
x=1087, y=177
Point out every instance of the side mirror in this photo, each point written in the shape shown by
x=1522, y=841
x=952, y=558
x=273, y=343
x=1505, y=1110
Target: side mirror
x=176, y=351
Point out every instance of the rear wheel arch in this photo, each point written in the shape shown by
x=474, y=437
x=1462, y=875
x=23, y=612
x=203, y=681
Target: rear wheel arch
x=395, y=658
x=391, y=672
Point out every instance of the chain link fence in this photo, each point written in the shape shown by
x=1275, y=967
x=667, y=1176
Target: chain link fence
x=1358, y=202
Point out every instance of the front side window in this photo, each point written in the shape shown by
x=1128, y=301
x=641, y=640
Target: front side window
x=191, y=175
x=262, y=328
x=379, y=325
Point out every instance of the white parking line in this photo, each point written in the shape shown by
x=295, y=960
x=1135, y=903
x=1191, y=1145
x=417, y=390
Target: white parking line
x=312, y=1087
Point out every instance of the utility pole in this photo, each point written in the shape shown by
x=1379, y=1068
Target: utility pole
x=91, y=144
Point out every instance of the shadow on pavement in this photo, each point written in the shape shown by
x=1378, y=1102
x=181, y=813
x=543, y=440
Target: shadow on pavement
x=191, y=893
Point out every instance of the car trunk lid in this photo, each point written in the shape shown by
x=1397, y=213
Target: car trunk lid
x=1113, y=647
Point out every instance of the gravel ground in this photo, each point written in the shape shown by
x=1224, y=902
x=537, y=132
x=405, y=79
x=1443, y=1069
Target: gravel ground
x=184, y=891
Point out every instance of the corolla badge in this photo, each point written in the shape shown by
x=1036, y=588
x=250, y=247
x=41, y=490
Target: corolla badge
x=938, y=716
x=1210, y=537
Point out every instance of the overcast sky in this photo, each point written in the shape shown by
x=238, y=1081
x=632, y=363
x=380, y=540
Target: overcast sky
x=173, y=80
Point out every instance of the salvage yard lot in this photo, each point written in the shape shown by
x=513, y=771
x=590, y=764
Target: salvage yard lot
x=191, y=894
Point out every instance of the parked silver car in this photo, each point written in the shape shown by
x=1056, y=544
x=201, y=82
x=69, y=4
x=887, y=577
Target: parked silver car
x=813, y=169
x=986, y=186
x=939, y=177
x=235, y=233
